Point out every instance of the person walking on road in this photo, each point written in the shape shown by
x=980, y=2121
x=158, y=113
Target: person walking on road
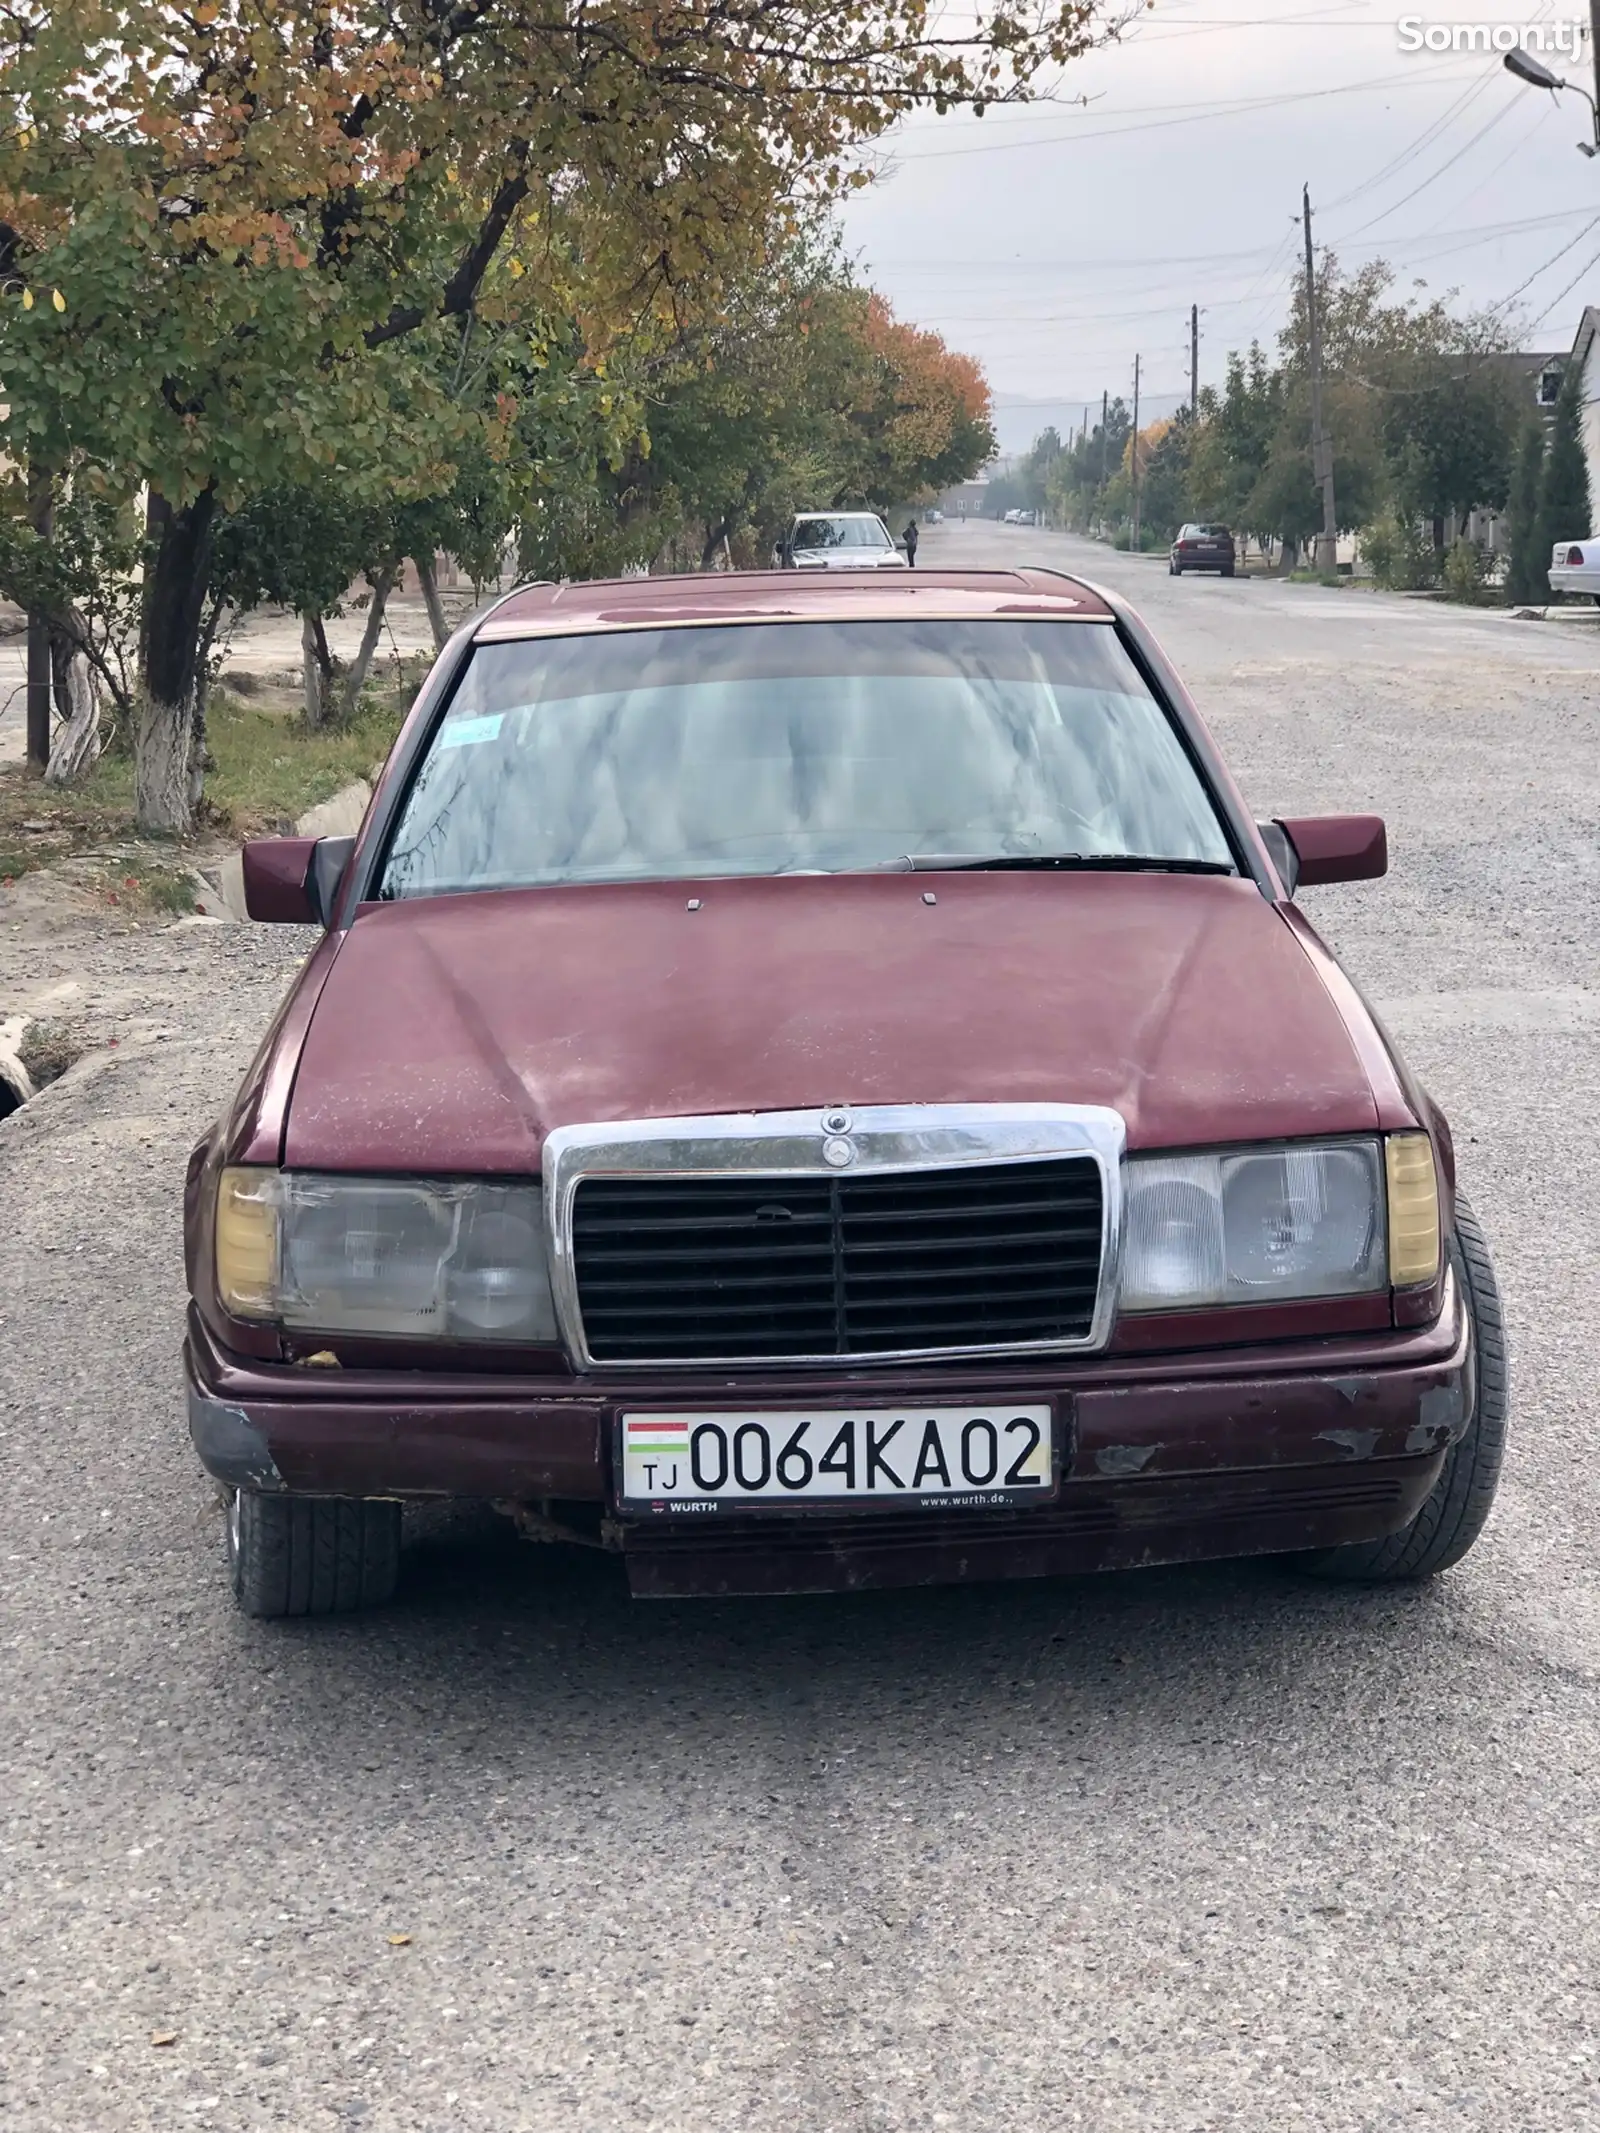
x=911, y=543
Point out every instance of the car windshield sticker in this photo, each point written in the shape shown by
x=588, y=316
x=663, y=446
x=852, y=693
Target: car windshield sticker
x=468, y=732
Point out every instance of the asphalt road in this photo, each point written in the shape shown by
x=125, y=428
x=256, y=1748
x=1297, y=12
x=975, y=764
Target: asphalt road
x=1204, y=1849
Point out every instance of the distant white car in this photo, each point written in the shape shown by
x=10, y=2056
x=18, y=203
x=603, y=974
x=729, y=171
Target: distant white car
x=934, y=518
x=1575, y=568
x=1012, y=518
x=837, y=540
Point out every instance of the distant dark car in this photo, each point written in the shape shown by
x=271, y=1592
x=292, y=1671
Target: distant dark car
x=1202, y=548
x=819, y=1082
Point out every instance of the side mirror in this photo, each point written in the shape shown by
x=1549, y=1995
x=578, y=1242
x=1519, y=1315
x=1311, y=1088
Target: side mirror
x=1309, y=850
x=294, y=881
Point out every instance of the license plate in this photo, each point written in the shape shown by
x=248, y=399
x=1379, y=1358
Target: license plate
x=971, y=1456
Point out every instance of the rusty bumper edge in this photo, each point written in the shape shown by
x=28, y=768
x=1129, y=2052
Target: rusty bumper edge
x=1334, y=1404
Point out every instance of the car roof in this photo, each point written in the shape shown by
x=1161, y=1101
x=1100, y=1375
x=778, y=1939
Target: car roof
x=597, y=605
x=834, y=514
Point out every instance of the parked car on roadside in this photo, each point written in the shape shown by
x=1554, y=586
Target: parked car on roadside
x=838, y=540
x=1200, y=547
x=812, y=1085
x=1575, y=568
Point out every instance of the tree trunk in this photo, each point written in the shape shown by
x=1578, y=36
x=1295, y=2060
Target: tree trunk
x=356, y=680
x=77, y=742
x=310, y=670
x=176, y=576
x=41, y=502
x=430, y=593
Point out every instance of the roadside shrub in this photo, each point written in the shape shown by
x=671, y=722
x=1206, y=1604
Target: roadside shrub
x=1400, y=559
x=1466, y=570
x=169, y=892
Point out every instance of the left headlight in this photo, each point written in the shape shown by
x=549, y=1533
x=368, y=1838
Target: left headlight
x=1256, y=1225
x=442, y=1261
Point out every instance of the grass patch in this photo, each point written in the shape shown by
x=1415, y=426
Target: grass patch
x=269, y=768
x=39, y=823
x=167, y=892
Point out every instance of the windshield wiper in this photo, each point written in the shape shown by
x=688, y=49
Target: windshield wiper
x=1057, y=862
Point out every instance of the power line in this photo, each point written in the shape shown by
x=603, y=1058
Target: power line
x=1166, y=298
x=1466, y=147
x=1432, y=132
x=1506, y=302
x=1459, y=240
x=1539, y=115
x=1567, y=291
x=1419, y=146
x=1197, y=116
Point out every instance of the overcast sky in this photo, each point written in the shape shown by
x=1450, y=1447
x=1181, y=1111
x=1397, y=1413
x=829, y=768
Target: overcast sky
x=1054, y=243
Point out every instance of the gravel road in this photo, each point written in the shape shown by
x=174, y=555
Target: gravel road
x=1188, y=1850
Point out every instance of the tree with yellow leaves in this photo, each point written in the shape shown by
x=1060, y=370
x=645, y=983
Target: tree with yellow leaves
x=251, y=209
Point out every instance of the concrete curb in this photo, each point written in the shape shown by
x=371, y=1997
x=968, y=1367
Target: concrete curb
x=339, y=817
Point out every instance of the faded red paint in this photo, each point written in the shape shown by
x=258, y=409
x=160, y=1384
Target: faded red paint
x=789, y=595
x=449, y=1035
x=455, y=1031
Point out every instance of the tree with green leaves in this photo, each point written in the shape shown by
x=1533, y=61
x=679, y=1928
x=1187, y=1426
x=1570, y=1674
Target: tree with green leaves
x=225, y=228
x=1528, y=557
x=1564, y=509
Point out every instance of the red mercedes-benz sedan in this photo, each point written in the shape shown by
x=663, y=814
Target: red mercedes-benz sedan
x=813, y=1083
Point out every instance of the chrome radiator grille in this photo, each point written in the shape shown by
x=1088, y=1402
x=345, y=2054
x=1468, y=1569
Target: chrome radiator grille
x=680, y=1268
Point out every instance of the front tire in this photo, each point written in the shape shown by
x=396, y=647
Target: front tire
x=312, y=1555
x=1454, y=1514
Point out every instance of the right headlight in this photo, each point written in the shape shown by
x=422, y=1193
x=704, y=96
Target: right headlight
x=447, y=1260
x=1279, y=1224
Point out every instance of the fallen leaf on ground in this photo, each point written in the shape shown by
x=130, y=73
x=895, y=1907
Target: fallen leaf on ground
x=399, y=1940
x=163, y=2036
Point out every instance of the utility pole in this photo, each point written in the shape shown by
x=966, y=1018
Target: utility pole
x=38, y=692
x=1133, y=454
x=1194, y=352
x=1321, y=442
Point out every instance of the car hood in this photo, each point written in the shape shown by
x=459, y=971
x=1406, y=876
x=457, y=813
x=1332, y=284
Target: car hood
x=454, y=1032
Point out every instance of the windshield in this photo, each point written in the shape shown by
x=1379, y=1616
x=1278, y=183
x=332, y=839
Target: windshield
x=839, y=533
x=647, y=755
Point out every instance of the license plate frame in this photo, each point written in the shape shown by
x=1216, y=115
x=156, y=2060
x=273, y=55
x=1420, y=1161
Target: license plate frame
x=827, y=1418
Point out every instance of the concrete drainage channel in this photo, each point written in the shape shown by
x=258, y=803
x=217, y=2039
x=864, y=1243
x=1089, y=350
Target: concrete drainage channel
x=35, y=1052
x=339, y=817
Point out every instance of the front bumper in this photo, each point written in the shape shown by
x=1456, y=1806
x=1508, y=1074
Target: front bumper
x=1169, y=1458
